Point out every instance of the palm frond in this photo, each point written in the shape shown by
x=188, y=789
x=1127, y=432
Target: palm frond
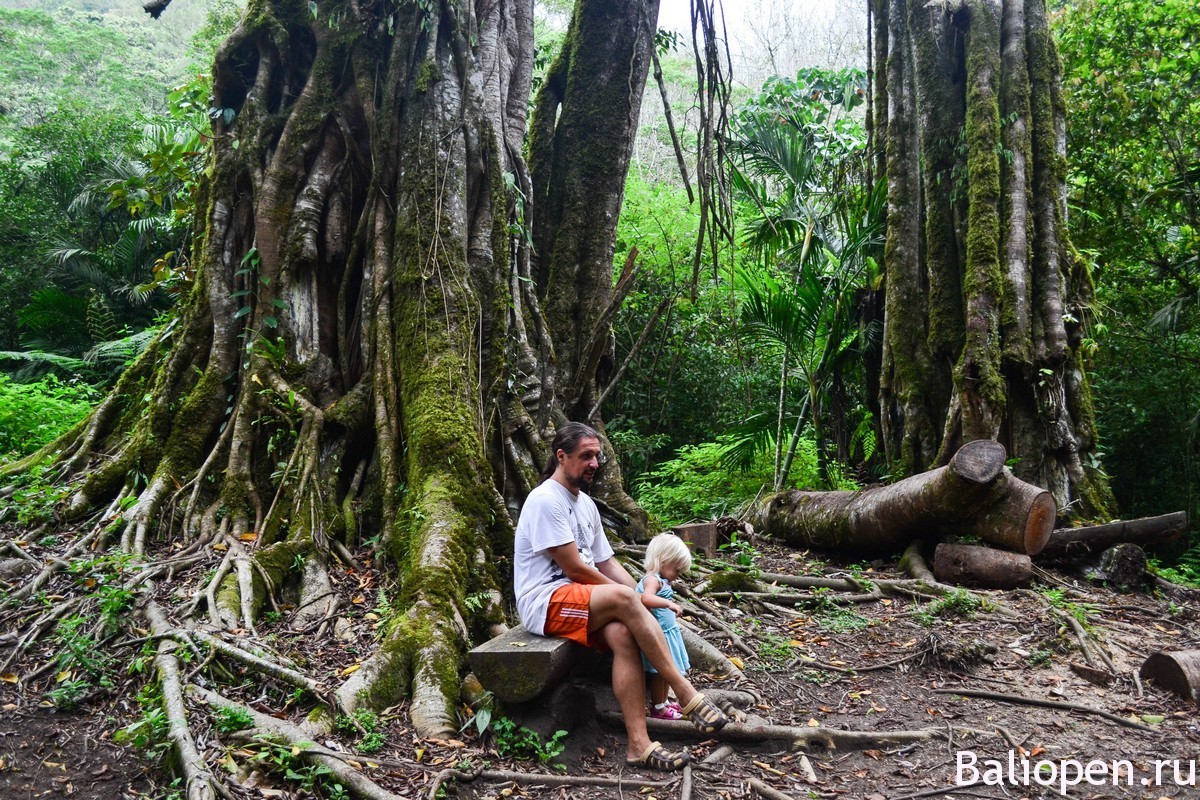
x=1168, y=318
x=755, y=435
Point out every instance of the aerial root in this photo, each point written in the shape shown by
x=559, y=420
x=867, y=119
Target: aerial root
x=271, y=728
x=199, y=781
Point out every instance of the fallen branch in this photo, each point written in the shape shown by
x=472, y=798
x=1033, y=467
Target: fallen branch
x=1072, y=542
x=1034, y=701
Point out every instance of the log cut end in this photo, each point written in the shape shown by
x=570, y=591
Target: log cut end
x=1040, y=522
x=1177, y=672
x=980, y=461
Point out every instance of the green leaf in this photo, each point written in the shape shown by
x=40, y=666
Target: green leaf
x=241, y=312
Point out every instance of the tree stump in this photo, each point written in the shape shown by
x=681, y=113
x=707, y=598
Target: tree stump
x=1122, y=567
x=702, y=536
x=981, y=567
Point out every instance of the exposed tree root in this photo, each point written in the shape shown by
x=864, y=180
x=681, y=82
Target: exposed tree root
x=266, y=668
x=765, y=791
x=301, y=743
x=796, y=737
x=1087, y=641
x=541, y=778
x=198, y=779
x=1034, y=701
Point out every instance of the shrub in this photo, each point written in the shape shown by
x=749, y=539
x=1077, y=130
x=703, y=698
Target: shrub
x=695, y=484
x=33, y=414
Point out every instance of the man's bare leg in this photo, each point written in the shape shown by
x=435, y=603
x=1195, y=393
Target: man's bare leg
x=614, y=603
x=629, y=686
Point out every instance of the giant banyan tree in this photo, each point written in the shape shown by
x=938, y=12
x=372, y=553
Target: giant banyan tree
x=987, y=302
x=398, y=296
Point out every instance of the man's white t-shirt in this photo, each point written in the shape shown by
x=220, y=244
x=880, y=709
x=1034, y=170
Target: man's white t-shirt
x=552, y=516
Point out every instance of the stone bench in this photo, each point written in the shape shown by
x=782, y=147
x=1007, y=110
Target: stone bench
x=517, y=665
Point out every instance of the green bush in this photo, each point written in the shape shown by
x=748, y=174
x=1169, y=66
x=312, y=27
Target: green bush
x=33, y=414
x=695, y=485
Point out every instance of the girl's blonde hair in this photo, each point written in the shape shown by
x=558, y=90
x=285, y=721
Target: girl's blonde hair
x=667, y=548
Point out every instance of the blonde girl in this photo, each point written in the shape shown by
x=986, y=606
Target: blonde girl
x=667, y=557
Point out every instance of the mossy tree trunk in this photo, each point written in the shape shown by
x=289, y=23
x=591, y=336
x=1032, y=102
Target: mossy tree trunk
x=371, y=348
x=987, y=302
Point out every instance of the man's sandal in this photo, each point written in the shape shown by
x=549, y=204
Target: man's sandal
x=704, y=715
x=659, y=757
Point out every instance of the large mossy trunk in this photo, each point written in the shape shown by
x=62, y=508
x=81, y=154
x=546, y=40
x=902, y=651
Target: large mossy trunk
x=987, y=302
x=370, y=349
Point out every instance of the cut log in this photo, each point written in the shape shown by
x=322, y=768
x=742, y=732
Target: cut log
x=1067, y=543
x=1122, y=567
x=1177, y=672
x=981, y=567
x=973, y=495
x=518, y=665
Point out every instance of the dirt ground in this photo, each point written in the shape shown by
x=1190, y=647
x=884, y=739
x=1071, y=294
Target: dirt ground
x=877, y=665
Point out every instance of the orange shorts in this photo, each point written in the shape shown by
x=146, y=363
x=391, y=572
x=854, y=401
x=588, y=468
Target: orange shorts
x=567, y=615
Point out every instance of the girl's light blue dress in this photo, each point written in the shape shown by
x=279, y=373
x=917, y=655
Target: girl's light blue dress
x=670, y=625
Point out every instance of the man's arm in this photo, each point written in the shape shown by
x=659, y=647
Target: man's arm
x=574, y=568
x=612, y=569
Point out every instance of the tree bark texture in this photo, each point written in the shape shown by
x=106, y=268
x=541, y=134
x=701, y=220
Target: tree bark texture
x=986, y=300
x=391, y=314
x=975, y=494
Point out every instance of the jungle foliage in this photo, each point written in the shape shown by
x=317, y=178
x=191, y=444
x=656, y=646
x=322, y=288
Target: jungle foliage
x=1132, y=78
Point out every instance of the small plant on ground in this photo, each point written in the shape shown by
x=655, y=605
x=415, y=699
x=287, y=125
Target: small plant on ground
x=34, y=414
x=149, y=732
x=480, y=717
x=517, y=741
x=744, y=554
x=832, y=617
x=311, y=779
x=774, y=651
x=368, y=726
x=1184, y=572
x=1040, y=658
x=1080, y=612
x=955, y=604
x=229, y=719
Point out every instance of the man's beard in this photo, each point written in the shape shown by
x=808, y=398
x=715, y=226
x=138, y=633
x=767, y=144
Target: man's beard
x=583, y=480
